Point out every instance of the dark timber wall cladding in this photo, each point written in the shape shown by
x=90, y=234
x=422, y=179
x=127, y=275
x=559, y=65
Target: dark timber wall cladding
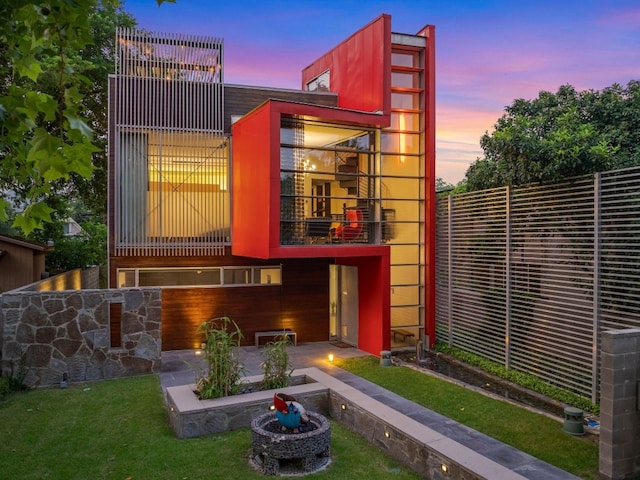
x=239, y=99
x=300, y=303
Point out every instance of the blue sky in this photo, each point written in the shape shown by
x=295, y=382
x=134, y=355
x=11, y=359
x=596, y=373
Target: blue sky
x=488, y=53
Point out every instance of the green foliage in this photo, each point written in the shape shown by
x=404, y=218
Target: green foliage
x=276, y=365
x=13, y=383
x=223, y=376
x=560, y=135
x=79, y=251
x=520, y=378
x=53, y=102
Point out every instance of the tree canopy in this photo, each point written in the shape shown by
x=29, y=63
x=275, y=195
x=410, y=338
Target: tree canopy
x=560, y=135
x=55, y=58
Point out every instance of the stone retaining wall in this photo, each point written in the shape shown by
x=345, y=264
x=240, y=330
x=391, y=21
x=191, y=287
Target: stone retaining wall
x=418, y=447
x=68, y=334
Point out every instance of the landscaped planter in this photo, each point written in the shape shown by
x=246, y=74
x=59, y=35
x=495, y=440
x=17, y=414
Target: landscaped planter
x=191, y=417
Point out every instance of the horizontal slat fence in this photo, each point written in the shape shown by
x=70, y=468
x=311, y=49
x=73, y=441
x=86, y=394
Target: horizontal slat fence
x=530, y=276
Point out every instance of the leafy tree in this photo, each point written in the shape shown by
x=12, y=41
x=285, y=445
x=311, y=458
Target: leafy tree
x=442, y=185
x=560, y=135
x=52, y=99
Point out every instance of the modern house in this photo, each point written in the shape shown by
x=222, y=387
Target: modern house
x=311, y=210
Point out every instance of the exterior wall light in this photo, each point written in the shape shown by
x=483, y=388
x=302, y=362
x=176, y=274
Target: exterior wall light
x=444, y=468
x=343, y=406
x=387, y=435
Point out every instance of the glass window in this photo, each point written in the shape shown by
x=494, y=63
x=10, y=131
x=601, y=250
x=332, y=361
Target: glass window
x=400, y=142
x=405, y=59
x=405, y=274
x=325, y=170
x=403, y=316
x=406, y=295
x=237, y=276
x=267, y=275
x=405, y=121
x=405, y=79
x=322, y=83
x=405, y=254
x=410, y=101
x=403, y=165
x=178, y=277
x=199, y=277
x=126, y=278
x=405, y=188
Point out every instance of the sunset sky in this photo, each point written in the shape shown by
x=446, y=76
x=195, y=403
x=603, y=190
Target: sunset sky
x=488, y=52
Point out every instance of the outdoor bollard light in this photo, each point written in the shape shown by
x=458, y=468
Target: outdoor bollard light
x=385, y=358
x=331, y=357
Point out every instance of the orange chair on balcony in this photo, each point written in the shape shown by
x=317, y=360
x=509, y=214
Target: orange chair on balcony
x=351, y=229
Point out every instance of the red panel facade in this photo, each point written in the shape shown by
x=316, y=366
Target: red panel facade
x=256, y=180
x=252, y=188
x=360, y=68
x=374, y=314
x=430, y=182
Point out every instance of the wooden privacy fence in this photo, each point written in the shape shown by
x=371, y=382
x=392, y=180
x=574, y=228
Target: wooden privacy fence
x=531, y=276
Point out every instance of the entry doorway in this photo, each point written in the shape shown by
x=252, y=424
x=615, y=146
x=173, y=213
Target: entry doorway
x=343, y=306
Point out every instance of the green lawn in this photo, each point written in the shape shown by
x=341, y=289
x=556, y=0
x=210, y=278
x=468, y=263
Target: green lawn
x=530, y=432
x=118, y=429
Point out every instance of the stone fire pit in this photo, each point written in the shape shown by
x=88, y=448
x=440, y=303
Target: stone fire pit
x=274, y=452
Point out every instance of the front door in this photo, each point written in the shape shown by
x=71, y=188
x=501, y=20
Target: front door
x=344, y=304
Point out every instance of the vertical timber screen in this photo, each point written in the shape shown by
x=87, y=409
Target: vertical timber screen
x=530, y=276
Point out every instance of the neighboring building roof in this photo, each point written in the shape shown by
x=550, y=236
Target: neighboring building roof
x=22, y=243
x=71, y=227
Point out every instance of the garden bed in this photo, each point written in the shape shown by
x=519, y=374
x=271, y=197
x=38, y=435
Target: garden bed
x=191, y=417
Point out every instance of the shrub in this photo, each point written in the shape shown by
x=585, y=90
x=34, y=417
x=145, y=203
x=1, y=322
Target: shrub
x=13, y=383
x=525, y=380
x=224, y=371
x=276, y=366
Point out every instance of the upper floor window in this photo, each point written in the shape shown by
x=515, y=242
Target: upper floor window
x=322, y=83
x=328, y=187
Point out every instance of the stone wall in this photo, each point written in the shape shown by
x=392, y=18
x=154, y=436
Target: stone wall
x=56, y=334
x=620, y=405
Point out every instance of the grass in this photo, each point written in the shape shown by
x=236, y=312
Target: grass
x=536, y=434
x=118, y=429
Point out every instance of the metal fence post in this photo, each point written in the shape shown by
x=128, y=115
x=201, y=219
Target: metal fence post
x=596, y=287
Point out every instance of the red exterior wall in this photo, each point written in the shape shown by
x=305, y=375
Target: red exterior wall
x=430, y=182
x=256, y=180
x=374, y=320
x=256, y=212
x=252, y=184
x=360, y=68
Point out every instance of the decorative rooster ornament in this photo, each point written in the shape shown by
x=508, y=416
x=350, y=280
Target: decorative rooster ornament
x=289, y=412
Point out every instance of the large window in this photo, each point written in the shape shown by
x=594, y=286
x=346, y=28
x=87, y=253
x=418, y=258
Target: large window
x=329, y=187
x=171, y=193
x=200, y=276
x=402, y=174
